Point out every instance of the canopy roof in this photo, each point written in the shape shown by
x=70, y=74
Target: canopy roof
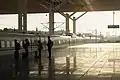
x=43, y=6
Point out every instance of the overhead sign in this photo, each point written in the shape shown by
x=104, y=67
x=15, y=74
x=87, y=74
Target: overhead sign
x=113, y=26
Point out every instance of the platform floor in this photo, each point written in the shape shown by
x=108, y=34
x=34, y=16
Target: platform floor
x=81, y=62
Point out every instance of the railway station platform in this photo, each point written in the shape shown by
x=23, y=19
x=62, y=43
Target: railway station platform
x=81, y=62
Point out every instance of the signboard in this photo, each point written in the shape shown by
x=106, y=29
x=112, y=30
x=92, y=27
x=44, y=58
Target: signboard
x=113, y=26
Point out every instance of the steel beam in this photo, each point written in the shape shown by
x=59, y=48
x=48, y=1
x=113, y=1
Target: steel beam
x=51, y=16
x=88, y=3
x=81, y=15
x=75, y=11
x=58, y=6
x=44, y=6
x=58, y=26
x=74, y=22
x=44, y=26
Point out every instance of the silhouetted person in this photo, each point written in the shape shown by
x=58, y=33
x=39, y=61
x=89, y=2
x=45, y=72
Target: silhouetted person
x=50, y=44
x=25, y=46
x=40, y=47
x=25, y=60
x=16, y=56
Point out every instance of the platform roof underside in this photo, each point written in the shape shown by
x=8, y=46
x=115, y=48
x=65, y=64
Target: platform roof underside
x=43, y=6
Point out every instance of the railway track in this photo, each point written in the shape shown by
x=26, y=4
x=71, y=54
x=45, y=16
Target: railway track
x=85, y=73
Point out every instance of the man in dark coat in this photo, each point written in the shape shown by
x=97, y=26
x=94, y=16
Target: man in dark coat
x=16, y=56
x=50, y=44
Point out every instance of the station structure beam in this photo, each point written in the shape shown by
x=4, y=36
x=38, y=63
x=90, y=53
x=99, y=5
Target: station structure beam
x=25, y=16
x=67, y=24
x=19, y=15
x=74, y=25
x=74, y=22
x=52, y=9
x=67, y=16
x=51, y=22
x=22, y=16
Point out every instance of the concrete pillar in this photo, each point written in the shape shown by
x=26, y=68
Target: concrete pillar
x=67, y=24
x=20, y=22
x=25, y=16
x=74, y=25
x=19, y=15
x=22, y=15
x=25, y=22
x=51, y=22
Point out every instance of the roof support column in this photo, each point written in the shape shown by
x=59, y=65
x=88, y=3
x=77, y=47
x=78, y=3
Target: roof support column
x=22, y=16
x=19, y=15
x=25, y=23
x=74, y=25
x=51, y=22
x=25, y=16
x=51, y=13
x=19, y=22
x=74, y=22
x=67, y=24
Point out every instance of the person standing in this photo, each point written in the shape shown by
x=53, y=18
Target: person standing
x=16, y=56
x=26, y=44
x=40, y=47
x=25, y=60
x=50, y=44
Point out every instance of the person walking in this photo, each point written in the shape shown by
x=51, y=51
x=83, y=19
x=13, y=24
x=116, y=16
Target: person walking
x=16, y=56
x=50, y=44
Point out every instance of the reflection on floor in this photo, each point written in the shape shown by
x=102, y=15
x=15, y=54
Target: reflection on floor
x=78, y=63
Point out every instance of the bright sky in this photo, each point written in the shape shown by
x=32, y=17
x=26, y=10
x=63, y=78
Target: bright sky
x=87, y=23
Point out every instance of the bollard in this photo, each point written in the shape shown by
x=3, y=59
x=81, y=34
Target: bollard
x=67, y=65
